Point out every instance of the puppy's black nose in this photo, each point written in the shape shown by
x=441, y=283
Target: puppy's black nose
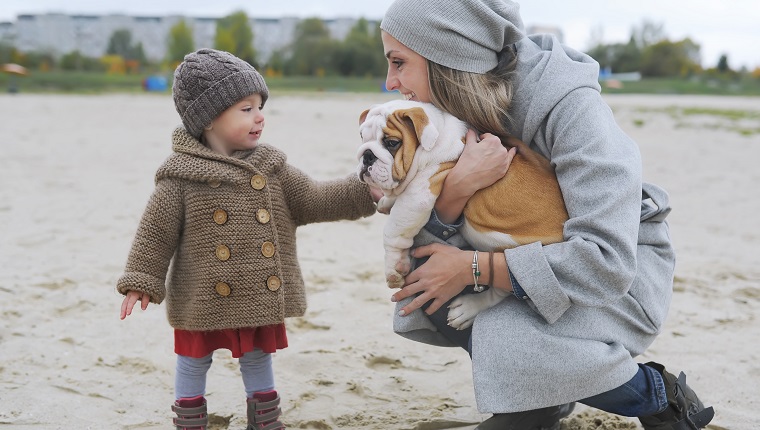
x=368, y=158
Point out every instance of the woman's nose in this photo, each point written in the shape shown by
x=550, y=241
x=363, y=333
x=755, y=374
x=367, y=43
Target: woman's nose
x=391, y=83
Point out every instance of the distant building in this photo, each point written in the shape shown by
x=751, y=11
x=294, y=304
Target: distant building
x=536, y=29
x=7, y=33
x=59, y=34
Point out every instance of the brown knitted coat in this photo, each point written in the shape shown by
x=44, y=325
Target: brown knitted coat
x=228, y=227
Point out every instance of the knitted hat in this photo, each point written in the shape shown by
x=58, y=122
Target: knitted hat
x=208, y=82
x=464, y=35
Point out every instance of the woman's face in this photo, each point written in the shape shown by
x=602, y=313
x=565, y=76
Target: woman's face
x=407, y=70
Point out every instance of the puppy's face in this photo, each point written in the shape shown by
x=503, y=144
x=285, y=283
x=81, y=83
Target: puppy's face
x=390, y=135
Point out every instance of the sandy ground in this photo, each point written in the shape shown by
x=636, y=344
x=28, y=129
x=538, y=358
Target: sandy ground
x=76, y=171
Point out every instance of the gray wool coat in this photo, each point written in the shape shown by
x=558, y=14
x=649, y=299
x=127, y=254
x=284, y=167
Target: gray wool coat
x=600, y=297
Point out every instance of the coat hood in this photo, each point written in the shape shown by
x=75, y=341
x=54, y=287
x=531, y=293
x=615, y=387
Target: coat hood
x=546, y=72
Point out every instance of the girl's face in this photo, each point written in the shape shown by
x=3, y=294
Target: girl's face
x=237, y=128
x=407, y=70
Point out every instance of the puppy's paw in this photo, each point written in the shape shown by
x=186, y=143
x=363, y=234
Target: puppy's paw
x=462, y=313
x=404, y=263
x=385, y=204
x=465, y=308
x=394, y=279
x=397, y=265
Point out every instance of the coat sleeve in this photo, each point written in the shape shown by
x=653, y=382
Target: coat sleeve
x=313, y=201
x=599, y=171
x=155, y=242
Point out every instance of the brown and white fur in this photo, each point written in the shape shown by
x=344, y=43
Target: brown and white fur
x=408, y=149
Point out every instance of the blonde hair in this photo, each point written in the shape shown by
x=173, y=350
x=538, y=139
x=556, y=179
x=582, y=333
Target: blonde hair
x=482, y=100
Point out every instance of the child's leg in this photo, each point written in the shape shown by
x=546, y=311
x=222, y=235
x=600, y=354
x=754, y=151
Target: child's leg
x=256, y=368
x=190, y=379
x=263, y=401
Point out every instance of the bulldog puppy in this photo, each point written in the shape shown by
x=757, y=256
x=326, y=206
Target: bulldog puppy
x=408, y=149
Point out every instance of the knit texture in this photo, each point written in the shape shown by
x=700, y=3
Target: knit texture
x=208, y=82
x=464, y=35
x=179, y=227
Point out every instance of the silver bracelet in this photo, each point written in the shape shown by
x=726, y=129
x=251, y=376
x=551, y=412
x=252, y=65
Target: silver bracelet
x=476, y=273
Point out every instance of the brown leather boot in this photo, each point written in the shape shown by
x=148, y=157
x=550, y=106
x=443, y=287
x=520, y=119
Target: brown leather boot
x=264, y=411
x=191, y=413
x=684, y=412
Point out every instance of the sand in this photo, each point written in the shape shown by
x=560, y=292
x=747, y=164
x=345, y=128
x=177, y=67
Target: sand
x=76, y=172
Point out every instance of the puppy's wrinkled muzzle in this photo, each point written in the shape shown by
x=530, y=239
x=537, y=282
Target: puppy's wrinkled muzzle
x=368, y=158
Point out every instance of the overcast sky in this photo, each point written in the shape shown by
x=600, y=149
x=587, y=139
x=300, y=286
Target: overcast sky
x=719, y=27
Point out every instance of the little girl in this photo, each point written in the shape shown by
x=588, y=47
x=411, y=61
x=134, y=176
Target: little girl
x=224, y=213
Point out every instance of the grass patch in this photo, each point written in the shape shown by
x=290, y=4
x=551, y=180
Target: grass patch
x=732, y=114
x=97, y=82
x=696, y=86
x=93, y=83
x=744, y=122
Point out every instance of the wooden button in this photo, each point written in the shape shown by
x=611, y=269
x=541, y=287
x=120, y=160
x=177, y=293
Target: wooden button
x=258, y=182
x=263, y=216
x=220, y=216
x=223, y=289
x=274, y=283
x=214, y=183
x=267, y=249
x=222, y=253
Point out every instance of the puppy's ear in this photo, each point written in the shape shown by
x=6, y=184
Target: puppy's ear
x=363, y=116
x=426, y=132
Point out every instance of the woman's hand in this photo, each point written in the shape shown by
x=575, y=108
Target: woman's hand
x=482, y=163
x=442, y=277
x=130, y=300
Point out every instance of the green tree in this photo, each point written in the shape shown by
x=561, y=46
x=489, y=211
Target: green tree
x=74, y=60
x=6, y=53
x=312, y=51
x=120, y=43
x=234, y=35
x=361, y=53
x=180, y=42
x=224, y=40
x=619, y=57
x=723, y=64
x=648, y=33
x=276, y=62
x=136, y=52
x=671, y=59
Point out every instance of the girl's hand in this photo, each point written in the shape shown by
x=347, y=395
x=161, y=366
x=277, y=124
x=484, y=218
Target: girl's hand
x=129, y=301
x=376, y=193
x=482, y=163
x=442, y=277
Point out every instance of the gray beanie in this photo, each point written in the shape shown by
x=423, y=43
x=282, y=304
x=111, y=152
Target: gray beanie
x=208, y=82
x=464, y=35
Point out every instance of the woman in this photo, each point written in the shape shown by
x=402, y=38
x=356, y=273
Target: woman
x=581, y=309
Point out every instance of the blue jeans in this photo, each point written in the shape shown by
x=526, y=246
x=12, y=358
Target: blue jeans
x=642, y=396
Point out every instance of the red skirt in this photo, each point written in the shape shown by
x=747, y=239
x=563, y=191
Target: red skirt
x=198, y=344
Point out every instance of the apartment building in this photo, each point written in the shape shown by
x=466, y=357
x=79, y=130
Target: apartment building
x=59, y=34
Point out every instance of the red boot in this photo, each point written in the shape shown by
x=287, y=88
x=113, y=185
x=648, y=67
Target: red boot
x=264, y=411
x=191, y=413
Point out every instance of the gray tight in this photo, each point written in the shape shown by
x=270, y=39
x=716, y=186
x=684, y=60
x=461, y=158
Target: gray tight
x=255, y=367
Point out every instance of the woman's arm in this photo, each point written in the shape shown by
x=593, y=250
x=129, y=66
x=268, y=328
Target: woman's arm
x=599, y=171
x=445, y=275
x=482, y=163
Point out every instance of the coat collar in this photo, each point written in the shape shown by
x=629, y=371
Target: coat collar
x=194, y=161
